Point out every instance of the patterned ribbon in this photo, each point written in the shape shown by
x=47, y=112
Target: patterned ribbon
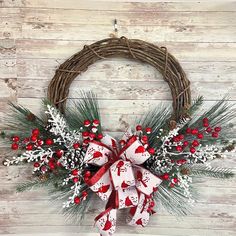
x=121, y=181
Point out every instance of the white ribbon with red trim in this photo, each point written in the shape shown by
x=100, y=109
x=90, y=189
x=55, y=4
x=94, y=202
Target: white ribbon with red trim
x=124, y=183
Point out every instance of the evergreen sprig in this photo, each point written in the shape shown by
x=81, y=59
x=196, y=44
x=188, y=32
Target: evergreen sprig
x=85, y=109
x=216, y=172
x=196, y=105
x=173, y=200
x=156, y=119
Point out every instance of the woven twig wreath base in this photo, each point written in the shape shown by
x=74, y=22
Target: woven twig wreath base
x=139, y=50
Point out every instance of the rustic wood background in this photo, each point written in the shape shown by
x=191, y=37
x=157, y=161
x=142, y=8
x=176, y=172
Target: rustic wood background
x=37, y=35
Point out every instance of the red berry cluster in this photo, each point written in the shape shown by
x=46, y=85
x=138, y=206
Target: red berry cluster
x=144, y=138
x=172, y=180
x=29, y=143
x=90, y=131
x=75, y=179
x=51, y=164
x=214, y=131
x=197, y=135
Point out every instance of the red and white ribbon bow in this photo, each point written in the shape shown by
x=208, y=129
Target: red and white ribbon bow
x=122, y=181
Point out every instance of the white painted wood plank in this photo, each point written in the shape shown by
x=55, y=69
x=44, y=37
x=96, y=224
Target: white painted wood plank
x=127, y=18
x=123, y=5
x=183, y=51
x=121, y=69
x=128, y=89
x=161, y=33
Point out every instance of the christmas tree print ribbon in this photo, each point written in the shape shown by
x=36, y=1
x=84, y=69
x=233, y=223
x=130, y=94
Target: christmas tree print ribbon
x=122, y=181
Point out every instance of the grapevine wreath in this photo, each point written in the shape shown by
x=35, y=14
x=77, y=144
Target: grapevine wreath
x=155, y=163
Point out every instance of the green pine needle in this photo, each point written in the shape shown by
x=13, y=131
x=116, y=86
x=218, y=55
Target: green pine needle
x=216, y=172
x=196, y=105
x=156, y=119
x=173, y=201
x=85, y=109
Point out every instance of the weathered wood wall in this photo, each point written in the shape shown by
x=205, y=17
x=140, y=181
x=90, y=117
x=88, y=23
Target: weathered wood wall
x=37, y=35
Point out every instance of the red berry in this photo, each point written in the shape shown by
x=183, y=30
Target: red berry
x=77, y=200
x=179, y=148
x=176, y=139
x=92, y=136
x=151, y=151
x=172, y=185
x=75, y=179
x=200, y=136
x=15, y=139
x=14, y=146
x=86, y=142
x=33, y=138
x=74, y=172
x=51, y=165
x=122, y=142
x=155, y=189
x=99, y=136
x=138, y=128
x=215, y=135
x=181, y=161
x=85, y=134
x=185, y=143
x=35, y=132
x=205, y=124
x=188, y=131
x=217, y=129
x=36, y=164
x=175, y=180
x=152, y=204
x=76, y=145
x=208, y=129
x=205, y=120
x=49, y=141
x=39, y=142
x=59, y=164
x=144, y=139
x=181, y=137
x=192, y=150
x=148, y=130
x=29, y=147
x=43, y=168
x=59, y=153
x=87, y=123
x=165, y=176
x=84, y=194
x=26, y=140
x=195, y=143
x=194, y=131
x=96, y=122
x=87, y=174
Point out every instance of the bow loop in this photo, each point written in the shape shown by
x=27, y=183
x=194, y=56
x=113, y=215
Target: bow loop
x=122, y=174
x=134, y=151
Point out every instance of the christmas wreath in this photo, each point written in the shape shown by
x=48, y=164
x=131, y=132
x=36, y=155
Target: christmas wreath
x=156, y=162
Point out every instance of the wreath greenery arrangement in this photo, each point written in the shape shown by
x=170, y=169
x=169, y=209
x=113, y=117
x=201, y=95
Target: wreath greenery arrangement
x=155, y=163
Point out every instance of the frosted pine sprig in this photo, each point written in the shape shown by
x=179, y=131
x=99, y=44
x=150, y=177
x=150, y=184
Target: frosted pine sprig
x=30, y=156
x=59, y=127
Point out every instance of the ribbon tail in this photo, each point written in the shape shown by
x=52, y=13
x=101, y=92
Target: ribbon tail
x=106, y=222
x=139, y=215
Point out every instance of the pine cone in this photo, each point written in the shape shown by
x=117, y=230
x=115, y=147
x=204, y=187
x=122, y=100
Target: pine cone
x=172, y=124
x=229, y=148
x=185, y=171
x=43, y=178
x=30, y=117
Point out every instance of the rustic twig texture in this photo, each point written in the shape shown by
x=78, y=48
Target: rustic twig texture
x=135, y=49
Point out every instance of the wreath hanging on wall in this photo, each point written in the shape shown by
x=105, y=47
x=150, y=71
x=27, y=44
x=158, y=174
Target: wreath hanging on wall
x=155, y=163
